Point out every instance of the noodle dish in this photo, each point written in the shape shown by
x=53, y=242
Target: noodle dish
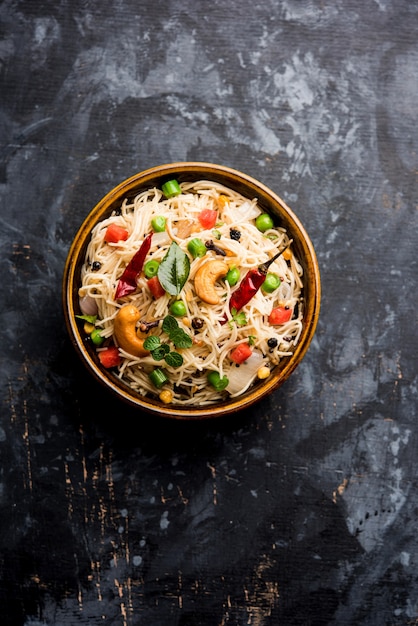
x=191, y=293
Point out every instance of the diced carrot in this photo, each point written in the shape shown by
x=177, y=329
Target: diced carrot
x=115, y=233
x=280, y=315
x=110, y=357
x=208, y=218
x=241, y=353
x=155, y=287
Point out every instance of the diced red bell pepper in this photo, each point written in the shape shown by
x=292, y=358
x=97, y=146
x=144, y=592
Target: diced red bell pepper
x=110, y=357
x=155, y=287
x=280, y=315
x=208, y=218
x=241, y=353
x=115, y=233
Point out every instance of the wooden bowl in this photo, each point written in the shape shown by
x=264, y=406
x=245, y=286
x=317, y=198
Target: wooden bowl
x=249, y=188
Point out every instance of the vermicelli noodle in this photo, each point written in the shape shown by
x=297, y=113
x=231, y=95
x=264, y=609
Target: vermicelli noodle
x=214, y=329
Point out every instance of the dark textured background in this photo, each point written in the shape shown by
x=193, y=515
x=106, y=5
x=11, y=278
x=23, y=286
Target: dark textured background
x=302, y=511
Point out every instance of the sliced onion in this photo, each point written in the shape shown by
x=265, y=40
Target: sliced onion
x=161, y=239
x=245, y=212
x=241, y=377
x=88, y=305
x=285, y=291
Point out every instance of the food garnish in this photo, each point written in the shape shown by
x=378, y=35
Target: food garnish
x=171, y=188
x=127, y=282
x=251, y=283
x=208, y=218
x=161, y=350
x=115, y=233
x=110, y=357
x=280, y=315
x=218, y=383
x=174, y=270
x=155, y=287
x=264, y=222
x=241, y=353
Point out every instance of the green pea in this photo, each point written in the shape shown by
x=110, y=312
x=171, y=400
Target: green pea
x=158, y=223
x=232, y=276
x=151, y=268
x=178, y=308
x=271, y=283
x=217, y=382
x=96, y=337
x=196, y=247
x=264, y=222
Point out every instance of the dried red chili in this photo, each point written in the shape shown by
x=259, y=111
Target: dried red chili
x=251, y=283
x=127, y=282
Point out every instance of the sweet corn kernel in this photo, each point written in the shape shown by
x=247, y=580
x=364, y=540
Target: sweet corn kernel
x=186, y=322
x=287, y=254
x=88, y=328
x=263, y=372
x=222, y=201
x=166, y=396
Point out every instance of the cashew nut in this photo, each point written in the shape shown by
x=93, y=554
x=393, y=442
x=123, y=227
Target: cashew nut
x=125, y=330
x=184, y=228
x=206, y=277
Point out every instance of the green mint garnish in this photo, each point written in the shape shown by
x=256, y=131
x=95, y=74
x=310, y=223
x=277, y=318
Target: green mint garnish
x=152, y=343
x=180, y=338
x=169, y=323
x=161, y=350
x=174, y=359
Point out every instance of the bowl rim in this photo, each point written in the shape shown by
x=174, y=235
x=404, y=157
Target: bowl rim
x=133, y=185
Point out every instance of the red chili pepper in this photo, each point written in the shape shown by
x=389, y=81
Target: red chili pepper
x=248, y=287
x=127, y=282
x=251, y=283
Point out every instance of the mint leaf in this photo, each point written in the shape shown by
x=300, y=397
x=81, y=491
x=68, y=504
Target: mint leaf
x=174, y=359
x=174, y=269
x=159, y=353
x=152, y=343
x=180, y=338
x=169, y=323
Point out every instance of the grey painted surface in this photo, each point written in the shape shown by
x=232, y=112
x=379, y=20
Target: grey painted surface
x=302, y=511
